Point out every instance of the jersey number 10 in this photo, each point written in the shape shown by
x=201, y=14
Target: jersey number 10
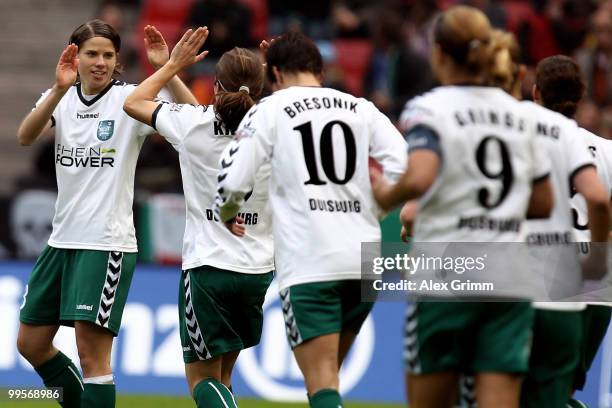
x=327, y=153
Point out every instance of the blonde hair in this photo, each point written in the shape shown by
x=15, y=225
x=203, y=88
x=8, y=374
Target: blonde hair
x=505, y=60
x=464, y=33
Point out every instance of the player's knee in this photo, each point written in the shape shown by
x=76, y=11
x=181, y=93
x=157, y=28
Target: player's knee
x=31, y=348
x=24, y=346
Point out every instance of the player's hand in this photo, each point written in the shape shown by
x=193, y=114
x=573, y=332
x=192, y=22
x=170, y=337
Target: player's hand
x=407, y=217
x=264, y=45
x=404, y=234
x=236, y=226
x=156, y=47
x=377, y=179
x=67, y=68
x=185, y=53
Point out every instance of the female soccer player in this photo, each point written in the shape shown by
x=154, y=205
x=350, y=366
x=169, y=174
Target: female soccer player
x=317, y=141
x=560, y=87
x=473, y=156
x=558, y=325
x=83, y=276
x=225, y=277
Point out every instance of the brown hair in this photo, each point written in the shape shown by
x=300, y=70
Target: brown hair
x=240, y=80
x=560, y=83
x=505, y=60
x=97, y=28
x=463, y=33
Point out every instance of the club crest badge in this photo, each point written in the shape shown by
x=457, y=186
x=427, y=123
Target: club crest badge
x=105, y=129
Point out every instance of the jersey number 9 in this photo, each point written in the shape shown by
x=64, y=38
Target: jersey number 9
x=505, y=174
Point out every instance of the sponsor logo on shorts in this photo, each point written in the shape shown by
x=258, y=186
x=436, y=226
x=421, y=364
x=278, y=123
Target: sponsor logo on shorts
x=85, y=307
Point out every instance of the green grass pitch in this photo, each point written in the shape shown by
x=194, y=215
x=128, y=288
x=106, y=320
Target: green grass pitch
x=138, y=401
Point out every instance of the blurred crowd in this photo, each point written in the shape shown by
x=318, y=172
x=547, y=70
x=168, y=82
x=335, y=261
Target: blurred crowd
x=376, y=49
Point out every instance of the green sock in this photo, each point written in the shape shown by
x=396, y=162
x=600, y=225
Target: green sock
x=98, y=396
x=59, y=371
x=326, y=398
x=210, y=393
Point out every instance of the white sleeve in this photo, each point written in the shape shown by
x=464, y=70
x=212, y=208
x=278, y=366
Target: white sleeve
x=606, y=157
x=541, y=166
x=578, y=154
x=387, y=146
x=43, y=96
x=241, y=160
x=174, y=121
x=417, y=113
x=164, y=95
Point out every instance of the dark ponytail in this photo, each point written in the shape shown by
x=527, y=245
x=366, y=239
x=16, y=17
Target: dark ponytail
x=240, y=80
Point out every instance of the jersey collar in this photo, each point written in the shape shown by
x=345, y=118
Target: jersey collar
x=97, y=97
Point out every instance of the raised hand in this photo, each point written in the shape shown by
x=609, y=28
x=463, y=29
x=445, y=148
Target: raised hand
x=66, y=70
x=156, y=47
x=185, y=52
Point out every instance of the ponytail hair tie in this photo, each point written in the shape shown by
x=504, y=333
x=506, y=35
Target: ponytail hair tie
x=245, y=89
x=475, y=43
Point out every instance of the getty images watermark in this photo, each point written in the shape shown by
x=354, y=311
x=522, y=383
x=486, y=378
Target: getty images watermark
x=476, y=271
x=410, y=265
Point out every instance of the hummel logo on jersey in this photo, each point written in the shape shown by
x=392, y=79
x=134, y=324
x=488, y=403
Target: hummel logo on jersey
x=87, y=115
x=105, y=129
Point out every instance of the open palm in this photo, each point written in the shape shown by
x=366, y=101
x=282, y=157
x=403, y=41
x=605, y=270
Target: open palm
x=185, y=52
x=66, y=70
x=156, y=47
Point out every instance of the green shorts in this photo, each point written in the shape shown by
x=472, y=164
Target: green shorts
x=557, y=340
x=78, y=284
x=315, y=309
x=596, y=319
x=220, y=311
x=468, y=337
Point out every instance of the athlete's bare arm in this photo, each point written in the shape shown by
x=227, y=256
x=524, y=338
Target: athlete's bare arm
x=140, y=103
x=39, y=120
x=158, y=55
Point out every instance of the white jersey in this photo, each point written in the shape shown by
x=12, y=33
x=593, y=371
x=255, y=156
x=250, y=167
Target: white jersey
x=569, y=154
x=318, y=141
x=602, y=151
x=200, y=139
x=489, y=160
x=96, y=149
